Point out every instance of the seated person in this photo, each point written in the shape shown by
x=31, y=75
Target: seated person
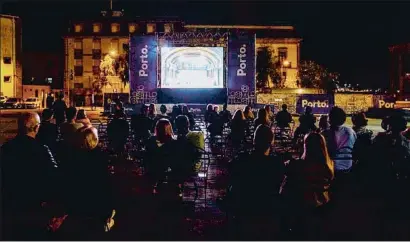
x=271, y=112
x=225, y=114
x=87, y=185
x=82, y=118
x=247, y=112
x=256, y=178
x=68, y=129
x=118, y=131
x=142, y=125
x=262, y=118
x=238, y=129
x=283, y=118
x=306, y=123
x=48, y=132
x=190, y=116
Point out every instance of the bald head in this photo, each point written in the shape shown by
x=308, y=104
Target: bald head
x=29, y=123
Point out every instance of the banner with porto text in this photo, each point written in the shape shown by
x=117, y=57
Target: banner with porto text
x=241, y=69
x=143, y=57
x=320, y=103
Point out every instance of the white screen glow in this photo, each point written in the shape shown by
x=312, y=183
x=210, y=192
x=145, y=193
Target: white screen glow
x=192, y=67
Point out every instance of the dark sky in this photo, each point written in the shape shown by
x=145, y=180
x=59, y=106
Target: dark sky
x=351, y=38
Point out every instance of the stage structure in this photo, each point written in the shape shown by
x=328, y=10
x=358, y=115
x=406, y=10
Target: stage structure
x=192, y=67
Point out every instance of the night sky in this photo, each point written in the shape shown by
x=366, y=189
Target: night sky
x=348, y=37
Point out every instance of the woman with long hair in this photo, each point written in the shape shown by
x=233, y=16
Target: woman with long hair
x=238, y=128
x=308, y=180
x=247, y=111
x=262, y=118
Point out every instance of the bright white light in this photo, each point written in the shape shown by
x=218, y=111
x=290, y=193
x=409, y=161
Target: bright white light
x=300, y=90
x=192, y=67
x=113, y=53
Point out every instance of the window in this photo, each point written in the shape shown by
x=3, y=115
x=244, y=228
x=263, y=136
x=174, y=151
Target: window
x=114, y=45
x=132, y=28
x=78, y=28
x=96, y=67
x=7, y=78
x=78, y=85
x=284, y=74
x=168, y=28
x=7, y=60
x=36, y=93
x=78, y=44
x=151, y=28
x=115, y=28
x=96, y=44
x=78, y=70
x=96, y=28
x=283, y=53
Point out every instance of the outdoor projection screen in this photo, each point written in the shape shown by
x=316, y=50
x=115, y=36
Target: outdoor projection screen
x=192, y=67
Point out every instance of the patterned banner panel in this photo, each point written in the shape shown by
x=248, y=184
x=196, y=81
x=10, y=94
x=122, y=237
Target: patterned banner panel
x=277, y=99
x=143, y=69
x=241, y=69
x=353, y=103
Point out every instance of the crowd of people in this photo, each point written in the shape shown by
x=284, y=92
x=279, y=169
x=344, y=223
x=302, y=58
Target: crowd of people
x=58, y=161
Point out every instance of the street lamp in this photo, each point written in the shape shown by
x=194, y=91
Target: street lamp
x=113, y=53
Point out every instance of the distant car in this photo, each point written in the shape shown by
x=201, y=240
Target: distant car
x=32, y=102
x=13, y=103
x=2, y=101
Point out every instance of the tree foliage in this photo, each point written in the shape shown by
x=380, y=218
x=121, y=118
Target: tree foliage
x=267, y=67
x=313, y=75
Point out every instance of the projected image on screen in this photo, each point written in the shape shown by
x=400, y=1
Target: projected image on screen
x=191, y=67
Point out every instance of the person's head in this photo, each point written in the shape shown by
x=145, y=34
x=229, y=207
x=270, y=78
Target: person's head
x=263, y=138
x=163, y=109
x=209, y=108
x=247, y=109
x=182, y=124
x=152, y=109
x=238, y=115
x=185, y=109
x=267, y=108
x=47, y=114
x=144, y=110
x=225, y=107
x=315, y=150
x=119, y=113
x=81, y=114
x=323, y=122
x=308, y=110
x=284, y=107
x=87, y=138
x=263, y=115
x=359, y=120
x=29, y=124
x=337, y=117
x=70, y=113
x=397, y=123
x=163, y=130
x=385, y=123
x=216, y=108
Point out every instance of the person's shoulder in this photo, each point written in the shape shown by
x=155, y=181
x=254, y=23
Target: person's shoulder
x=348, y=130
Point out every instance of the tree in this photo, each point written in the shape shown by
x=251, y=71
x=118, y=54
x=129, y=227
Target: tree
x=267, y=67
x=313, y=75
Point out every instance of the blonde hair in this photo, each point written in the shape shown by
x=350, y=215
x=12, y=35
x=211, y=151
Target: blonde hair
x=88, y=138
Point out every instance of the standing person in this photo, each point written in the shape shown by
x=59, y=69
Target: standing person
x=29, y=172
x=59, y=108
x=50, y=101
x=283, y=118
x=48, y=132
x=271, y=112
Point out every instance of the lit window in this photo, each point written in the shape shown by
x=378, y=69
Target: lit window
x=78, y=28
x=151, y=28
x=132, y=28
x=78, y=44
x=168, y=28
x=7, y=78
x=115, y=28
x=96, y=44
x=96, y=28
x=114, y=44
x=7, y=60
x=78, y=62
x=283, y=53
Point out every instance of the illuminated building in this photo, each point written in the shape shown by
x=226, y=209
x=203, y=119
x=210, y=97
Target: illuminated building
x=92, y=41
x=10, y=56
x=400, y=69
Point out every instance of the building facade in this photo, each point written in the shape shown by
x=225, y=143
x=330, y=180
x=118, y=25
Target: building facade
x=10, y=56
x=92, y=46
